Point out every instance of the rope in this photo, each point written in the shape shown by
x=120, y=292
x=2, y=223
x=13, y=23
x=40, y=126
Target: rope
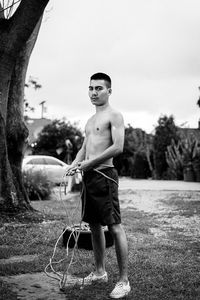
x=75, y=233
x=62, y=278
x=98, y=171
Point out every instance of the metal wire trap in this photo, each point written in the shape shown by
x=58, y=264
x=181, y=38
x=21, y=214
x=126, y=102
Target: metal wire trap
x=82, y=234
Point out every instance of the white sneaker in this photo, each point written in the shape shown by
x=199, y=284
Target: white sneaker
x=93, y=277
x=121, y=289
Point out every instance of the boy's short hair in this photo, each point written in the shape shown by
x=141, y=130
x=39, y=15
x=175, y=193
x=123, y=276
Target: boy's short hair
x=102, y=76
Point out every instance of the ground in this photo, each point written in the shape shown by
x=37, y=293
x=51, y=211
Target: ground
x=162, y=221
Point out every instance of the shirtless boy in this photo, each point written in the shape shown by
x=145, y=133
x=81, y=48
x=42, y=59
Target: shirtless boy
x=104, y=139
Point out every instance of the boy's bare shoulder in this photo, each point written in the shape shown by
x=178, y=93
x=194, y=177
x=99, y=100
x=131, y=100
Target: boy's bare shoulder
x=89, y=123
x=90, y=119
x=115, y=113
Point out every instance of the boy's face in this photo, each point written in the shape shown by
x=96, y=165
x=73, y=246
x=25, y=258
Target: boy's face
x=99, y=92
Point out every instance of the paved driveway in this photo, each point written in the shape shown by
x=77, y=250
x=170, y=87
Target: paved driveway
x=164, y=185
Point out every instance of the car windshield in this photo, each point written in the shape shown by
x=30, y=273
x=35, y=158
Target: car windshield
x=37, y=161
x=51, y=161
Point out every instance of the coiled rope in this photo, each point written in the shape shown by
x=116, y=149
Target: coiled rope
x=75, y=233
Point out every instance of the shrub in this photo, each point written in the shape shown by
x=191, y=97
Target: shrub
x=184, y=157
x=175, y=161
x=140, y=167
x=165, y=132
x=37, y=186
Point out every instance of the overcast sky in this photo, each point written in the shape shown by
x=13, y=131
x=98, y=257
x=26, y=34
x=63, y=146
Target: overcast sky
x=150, y=48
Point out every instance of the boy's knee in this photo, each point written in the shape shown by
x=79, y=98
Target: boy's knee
x=115, y=229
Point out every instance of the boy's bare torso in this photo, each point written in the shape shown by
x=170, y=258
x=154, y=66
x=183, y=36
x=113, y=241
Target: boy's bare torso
x=98, y=135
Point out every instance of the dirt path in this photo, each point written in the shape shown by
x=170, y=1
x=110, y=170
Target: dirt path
x=37, y=286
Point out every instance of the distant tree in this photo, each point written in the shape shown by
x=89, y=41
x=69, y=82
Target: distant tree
x=165, y=132
x=32, y=83
x=135, y=144
x=141, y=166
x=60, y=139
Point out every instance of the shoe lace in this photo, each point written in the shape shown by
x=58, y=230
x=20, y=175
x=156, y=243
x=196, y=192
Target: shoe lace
x=119, y=286
x=89, y=276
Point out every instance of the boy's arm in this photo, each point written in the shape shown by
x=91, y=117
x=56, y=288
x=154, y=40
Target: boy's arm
x=80, y=156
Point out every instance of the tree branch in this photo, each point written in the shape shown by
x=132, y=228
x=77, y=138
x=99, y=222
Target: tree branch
x=22, y=24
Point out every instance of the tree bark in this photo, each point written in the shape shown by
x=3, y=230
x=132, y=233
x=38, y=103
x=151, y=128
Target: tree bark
x=17, y=38
x=16, y=129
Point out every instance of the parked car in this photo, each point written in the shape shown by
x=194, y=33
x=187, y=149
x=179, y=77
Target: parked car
x=52, y=167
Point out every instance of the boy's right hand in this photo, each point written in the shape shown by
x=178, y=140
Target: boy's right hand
x=72, y=169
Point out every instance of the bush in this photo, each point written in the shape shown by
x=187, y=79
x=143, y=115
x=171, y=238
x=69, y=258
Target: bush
x=140, y=167
x=175, y=161
x=184, y=159
x=37, y=185
x=165, y=132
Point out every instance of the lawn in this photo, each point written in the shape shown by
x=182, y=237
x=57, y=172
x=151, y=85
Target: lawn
x=163, y=238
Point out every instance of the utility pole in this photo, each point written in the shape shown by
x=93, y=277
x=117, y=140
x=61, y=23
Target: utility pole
x=43, y=108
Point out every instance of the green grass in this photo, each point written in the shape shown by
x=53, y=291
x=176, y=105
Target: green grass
x=164, y=249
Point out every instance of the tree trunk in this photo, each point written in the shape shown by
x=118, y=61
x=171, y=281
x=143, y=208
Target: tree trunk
x=16, y=129
x=7, y=188
x=17, y=39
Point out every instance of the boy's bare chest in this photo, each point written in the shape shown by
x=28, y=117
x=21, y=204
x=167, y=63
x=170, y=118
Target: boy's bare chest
x=98, y=125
